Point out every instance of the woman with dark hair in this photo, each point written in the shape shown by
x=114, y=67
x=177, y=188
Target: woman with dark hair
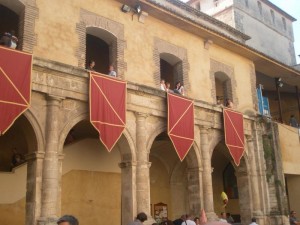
x=179, y=89
x=91, y=65
x=229, y=103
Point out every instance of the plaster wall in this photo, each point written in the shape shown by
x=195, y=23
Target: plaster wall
x=289, y=145
x=293, y=183
x=264, y=37
x=13, y=214
x=139, y=39
x=241, y=74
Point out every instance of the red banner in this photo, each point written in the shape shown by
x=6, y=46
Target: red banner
x=181, y=123
x=107, y=108
x=15, y=85
x=234, y=134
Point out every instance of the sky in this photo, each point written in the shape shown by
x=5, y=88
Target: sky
x=291, y=7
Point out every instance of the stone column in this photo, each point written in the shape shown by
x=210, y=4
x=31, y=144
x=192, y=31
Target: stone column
x=128, y=179
x=33, y=187
x=243, y=183
x=143, y=166
x=50, y=184
x=254, y=180
x=194, y=190
x=206, y=175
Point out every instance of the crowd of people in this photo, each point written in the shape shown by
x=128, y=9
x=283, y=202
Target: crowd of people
x=186, y=219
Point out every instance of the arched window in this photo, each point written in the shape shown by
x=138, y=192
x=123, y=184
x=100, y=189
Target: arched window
x=98, y=49
x=11, y=24
x=223, y=87
x=259, y=7
x=101, y=40
x=20, y=18
x=230, y=182
x=171, y=69
x=171, y=64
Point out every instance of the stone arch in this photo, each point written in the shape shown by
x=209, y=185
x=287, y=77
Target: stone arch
x=40, y=139
x=165, y=49
x=215, y=138
x=28, y=13
x=242, y=174
x=161, y=127
x=226, y=75
x=127, y=155
x=115, y=39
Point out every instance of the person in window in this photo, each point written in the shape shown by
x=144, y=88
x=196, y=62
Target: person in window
x=112, y=72
x=91, y=65
x=219, y=102
x=179, y=89
x=9, y=40
x=163, y=85
x=293, y=219
x=229, y=103
x=168, y=88
x=293, y=121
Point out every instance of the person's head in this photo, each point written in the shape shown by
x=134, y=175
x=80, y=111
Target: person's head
x=168, y=85
x=162, y=81
x=228, y=214
x=92, y=63
x=223, y=215
x=178, y=84
x=197, y=220
x=67, y=220
x=142, y=217
x=253, y=220
x=111, y=68
x=292, y=116
x=292, y=213
x=18, y=157
x=183, y=217
x=187, y=216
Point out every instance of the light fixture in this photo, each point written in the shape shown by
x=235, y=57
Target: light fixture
x=125, y=8
x=279, y=82
x=138, y=9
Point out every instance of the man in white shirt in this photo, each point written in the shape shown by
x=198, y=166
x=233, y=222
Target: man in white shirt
x=253, y=220
x=112, y=72
x=188, y=221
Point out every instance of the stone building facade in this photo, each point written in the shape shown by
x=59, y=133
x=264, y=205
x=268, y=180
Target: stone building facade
x=167, y=39
x=269, y=27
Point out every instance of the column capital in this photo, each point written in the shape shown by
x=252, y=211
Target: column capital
x=204, y=128
x=195, y=169
x=144, y=164
x=34, y=155
x=249, y=138
x=129, y=164
x=61, y=156
x=55, y=98
x=141, y=115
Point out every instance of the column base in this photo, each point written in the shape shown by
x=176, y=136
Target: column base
x=47, y=221
x=211, y=216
